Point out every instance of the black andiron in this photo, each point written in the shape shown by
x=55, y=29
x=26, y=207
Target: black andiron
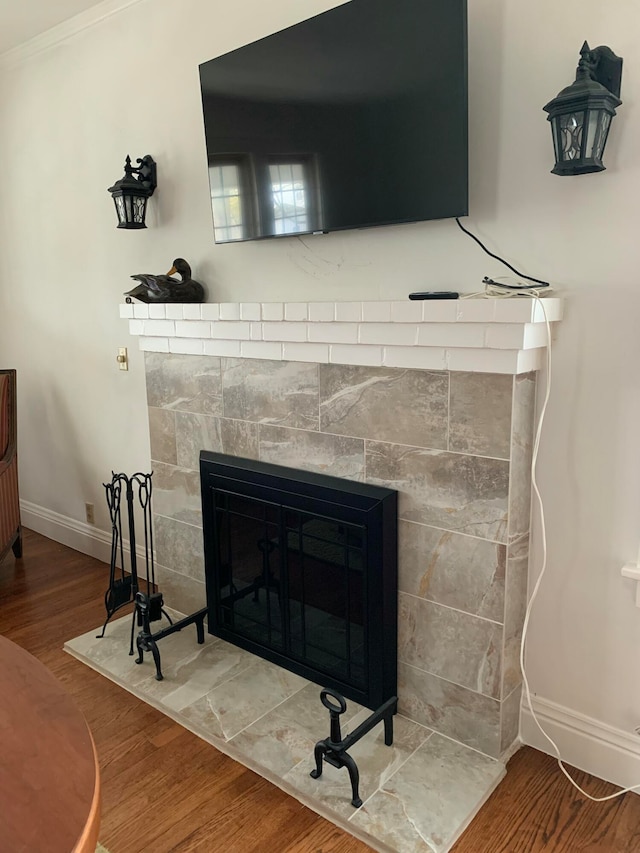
x=123, y=588
x=334, y=749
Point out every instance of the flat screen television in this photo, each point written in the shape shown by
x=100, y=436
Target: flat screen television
x=353, y=118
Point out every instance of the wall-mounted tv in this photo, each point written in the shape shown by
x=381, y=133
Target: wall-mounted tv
x=353, y=118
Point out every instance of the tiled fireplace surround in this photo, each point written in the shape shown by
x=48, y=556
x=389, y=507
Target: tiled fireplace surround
x=455, y=443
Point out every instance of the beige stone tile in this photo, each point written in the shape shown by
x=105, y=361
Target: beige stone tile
x=193, y=434
x=452, y=569
x=239, y=438
x=189, y=383
x=510, y=719
x=240, y=701
x=201, y=432
x=288, y=734
x=467, y=494
x=387, y=404
x=376, y=764
x=480, y=413
x=185, y=594
x=521, y=452
x=451, y=644
x=313, y=451
x=207, y=666
x=277, y=392
x=179, y=547
x=454, y=711
x=176, y=493
x=515, y=608
x=421, y=808
x=110, y=651
x=162, y=435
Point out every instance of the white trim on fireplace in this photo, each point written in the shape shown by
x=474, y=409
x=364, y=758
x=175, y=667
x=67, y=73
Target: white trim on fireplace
x=477, y=335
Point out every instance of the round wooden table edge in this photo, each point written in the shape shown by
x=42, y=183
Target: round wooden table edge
x=89, y=839
x=37, y=705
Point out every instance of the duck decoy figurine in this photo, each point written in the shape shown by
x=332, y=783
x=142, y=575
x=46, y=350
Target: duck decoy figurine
x=163, y=288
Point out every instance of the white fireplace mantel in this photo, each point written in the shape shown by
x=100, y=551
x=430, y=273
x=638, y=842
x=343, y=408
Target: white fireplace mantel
x=484, y=335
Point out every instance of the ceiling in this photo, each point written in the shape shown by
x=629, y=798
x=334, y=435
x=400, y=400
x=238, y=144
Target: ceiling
x=24, y=19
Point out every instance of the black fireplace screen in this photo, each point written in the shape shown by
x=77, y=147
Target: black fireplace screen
x=301, y=569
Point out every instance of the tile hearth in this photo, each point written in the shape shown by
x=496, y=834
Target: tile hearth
x=418, y=795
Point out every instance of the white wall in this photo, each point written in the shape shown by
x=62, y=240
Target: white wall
x=70, y=113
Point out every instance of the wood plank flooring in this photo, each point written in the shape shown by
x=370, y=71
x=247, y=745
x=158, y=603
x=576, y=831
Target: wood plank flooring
x=165, y=790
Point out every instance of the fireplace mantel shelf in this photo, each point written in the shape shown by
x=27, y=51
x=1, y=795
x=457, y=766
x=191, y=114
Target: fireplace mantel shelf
x=479, y=335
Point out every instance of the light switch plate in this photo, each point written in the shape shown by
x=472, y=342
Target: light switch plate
x=123, y=358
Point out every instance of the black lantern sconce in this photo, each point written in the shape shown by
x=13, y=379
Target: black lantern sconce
x=130, y=193
x=581, y=114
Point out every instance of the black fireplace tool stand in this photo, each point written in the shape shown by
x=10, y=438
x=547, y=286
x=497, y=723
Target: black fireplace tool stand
x=124, y=588
x=334, y=748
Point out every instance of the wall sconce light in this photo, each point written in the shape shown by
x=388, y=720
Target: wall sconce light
x=130, y=193
x=581, y=114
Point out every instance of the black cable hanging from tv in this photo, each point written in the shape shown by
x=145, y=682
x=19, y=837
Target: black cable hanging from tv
x=498, y=258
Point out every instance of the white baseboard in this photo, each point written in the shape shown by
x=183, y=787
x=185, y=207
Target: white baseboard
x=600, y=749
x=76, y=534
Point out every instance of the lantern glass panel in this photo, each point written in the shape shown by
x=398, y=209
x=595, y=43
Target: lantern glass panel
x=569, y=129
x=120, y=209
x=604, y=123
x=139, y=204
x=593, y=126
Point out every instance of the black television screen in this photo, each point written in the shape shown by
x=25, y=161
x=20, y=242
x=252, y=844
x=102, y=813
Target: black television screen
x=353, y=118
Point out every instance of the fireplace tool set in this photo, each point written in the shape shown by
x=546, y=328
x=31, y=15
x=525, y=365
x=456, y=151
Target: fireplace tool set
x=124, y=588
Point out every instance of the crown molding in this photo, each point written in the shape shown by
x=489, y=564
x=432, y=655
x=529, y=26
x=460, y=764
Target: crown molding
x=64, y=31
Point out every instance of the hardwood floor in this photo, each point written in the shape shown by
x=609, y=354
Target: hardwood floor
x=164, y=789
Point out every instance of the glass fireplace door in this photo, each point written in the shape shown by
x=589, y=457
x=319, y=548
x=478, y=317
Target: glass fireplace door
x=292, y=581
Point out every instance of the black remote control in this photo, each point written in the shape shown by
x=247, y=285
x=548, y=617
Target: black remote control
x=434, y=294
